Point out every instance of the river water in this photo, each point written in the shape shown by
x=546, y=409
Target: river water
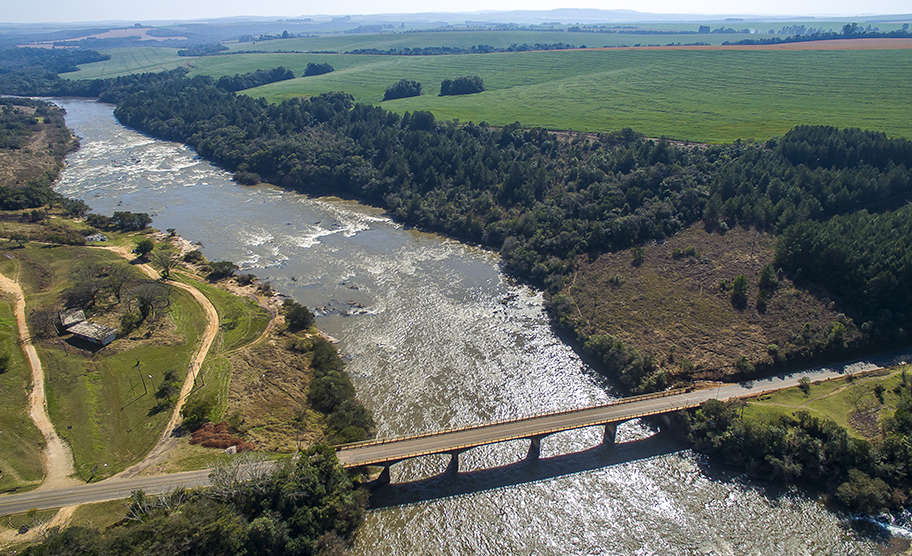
x=438, y=338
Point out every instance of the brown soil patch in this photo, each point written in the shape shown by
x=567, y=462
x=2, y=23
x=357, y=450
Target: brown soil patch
x=867, y=423
x=668, y=302
x=837, y=44
x=216, y=435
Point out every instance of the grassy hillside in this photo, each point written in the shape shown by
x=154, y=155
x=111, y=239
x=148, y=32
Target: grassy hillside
x=714, y=96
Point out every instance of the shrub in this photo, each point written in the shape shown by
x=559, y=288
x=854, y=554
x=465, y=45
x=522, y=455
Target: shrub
x=196, y=411
x=195, y=256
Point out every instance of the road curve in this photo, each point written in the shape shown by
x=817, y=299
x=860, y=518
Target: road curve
x=56, y=457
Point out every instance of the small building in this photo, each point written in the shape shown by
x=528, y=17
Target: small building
x=93, y=333
x=96, y=237
x=70, y=317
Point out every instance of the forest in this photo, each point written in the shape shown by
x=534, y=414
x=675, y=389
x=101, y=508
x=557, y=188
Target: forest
x=538, y=198
x=543, y=199
x=233, y=516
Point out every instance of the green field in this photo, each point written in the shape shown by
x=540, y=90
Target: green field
x=97, y=401
x=704, y=96
x=834, y=399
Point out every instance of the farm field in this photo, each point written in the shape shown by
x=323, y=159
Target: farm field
x=703, y=96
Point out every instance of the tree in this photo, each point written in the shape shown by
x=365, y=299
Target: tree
x=739, y=290
x=196, y=411
x=167, y=259
x=297, y=316
x=143, y=247
x=804, y=384
x=150, y=298
x=221, y=269
x=403, y=89
x=461, y=86
x=130, y=221
x=317, y=69
x=19, y=238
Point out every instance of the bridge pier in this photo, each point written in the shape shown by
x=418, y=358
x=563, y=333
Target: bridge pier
x=610, y=433
x=534, y=447
x=384, y=478
x=453, y=466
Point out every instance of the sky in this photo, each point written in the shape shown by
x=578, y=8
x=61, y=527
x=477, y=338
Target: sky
x=37, y=11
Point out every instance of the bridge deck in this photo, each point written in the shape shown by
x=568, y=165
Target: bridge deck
x=390, y=451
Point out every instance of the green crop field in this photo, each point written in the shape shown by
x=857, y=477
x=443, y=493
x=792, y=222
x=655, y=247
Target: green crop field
x=703, y=96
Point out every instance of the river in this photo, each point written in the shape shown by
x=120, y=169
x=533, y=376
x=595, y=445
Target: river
x=437, y=337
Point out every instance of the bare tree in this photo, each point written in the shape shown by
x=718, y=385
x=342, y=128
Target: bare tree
x=167, y=259
x=150, y=298
x=119, y=279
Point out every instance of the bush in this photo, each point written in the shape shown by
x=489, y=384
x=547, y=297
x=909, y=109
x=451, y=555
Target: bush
x=221, y=269
x=461, y=86
x=317, y=69
x=403, y=89
x=297, y=316
x=143, y=247
x=195, y=256
x=196, y=411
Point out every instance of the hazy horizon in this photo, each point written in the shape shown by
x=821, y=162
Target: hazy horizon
x=108, y=11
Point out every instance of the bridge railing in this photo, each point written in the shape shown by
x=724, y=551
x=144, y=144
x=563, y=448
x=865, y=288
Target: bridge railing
x=622, y=401
x=544, y=432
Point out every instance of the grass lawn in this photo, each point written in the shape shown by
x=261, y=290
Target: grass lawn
x=835, y=399
x=97, y=399
x=242, y=319
x=104, y=405
x=704, y=96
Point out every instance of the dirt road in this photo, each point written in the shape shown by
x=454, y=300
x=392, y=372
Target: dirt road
x=57, y=458
x=159, y=454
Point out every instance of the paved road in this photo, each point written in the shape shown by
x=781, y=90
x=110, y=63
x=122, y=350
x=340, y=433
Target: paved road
x=398, y=449
x=111, y=489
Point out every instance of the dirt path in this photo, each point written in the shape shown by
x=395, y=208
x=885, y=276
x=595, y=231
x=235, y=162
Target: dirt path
x=57, y=458
x=160, y=453
x=10, y=537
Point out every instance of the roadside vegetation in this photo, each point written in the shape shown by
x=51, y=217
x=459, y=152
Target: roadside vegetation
x=848, y=437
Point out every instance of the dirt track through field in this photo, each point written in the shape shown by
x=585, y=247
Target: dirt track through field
x=160, y=453
x=57, y=458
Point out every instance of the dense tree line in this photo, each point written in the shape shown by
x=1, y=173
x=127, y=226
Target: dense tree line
x=21, y=69
x=203, y=50
x=239, y=82
x=305, y=507
x=538, y=198
x=849, y=31
x=803, y=449
x=476, y=49
x=14, y=125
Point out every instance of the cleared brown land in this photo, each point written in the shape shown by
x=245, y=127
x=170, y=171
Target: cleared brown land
x=39, y=156
x=668, y=302
x=837, y=44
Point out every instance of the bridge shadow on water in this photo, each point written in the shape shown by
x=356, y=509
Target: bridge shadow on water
x=528, y=470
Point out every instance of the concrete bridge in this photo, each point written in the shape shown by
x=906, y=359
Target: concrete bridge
x=387, y=452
